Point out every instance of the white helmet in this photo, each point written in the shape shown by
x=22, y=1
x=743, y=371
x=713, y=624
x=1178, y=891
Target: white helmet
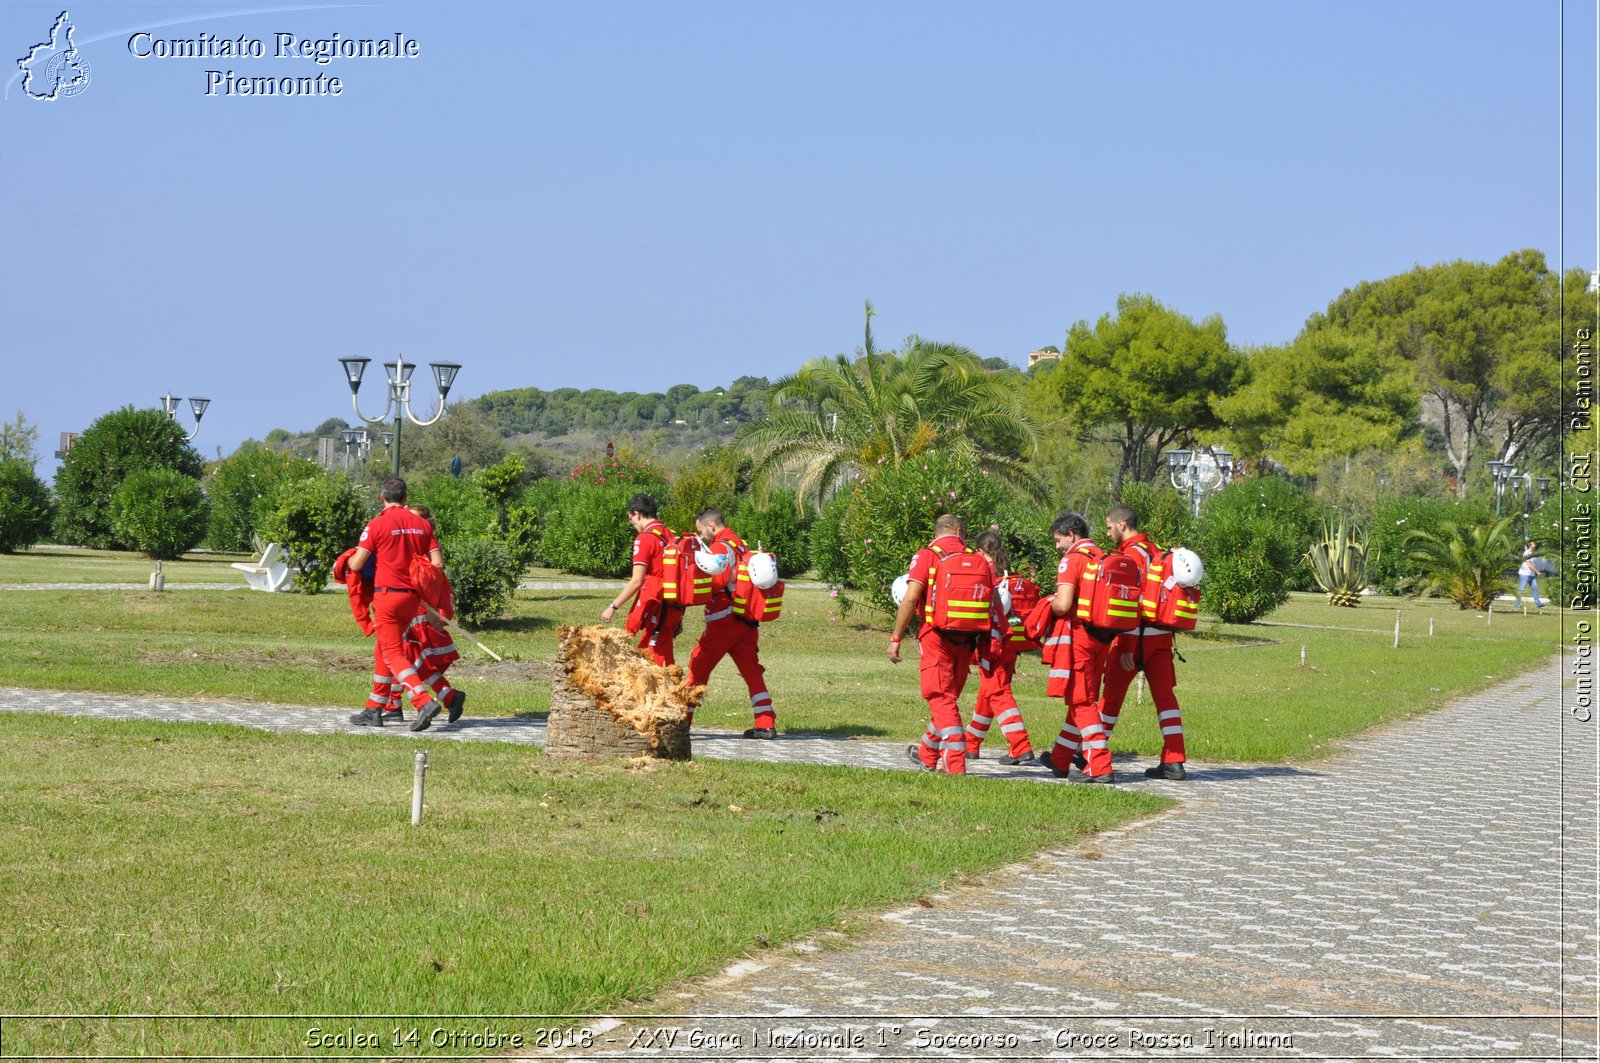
x=898, y=589
x=711, y=562
x=1002, y=594
x=763, y=569
x=1187, y=570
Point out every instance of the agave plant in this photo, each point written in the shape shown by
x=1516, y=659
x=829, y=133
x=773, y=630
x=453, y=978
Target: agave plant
x=1340, y=562
x=1468, y=565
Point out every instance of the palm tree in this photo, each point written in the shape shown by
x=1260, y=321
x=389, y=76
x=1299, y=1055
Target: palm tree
x=1467, y=565
x=835, y=418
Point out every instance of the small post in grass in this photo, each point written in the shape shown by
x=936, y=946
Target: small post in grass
x=1138, y=694
x=1430, y=627
x=419, y=771
x=158, y=579
x=1397, y=629
x=1302, y=655
x=1491, y=613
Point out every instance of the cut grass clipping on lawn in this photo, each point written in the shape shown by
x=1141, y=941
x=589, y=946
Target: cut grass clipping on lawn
x=201, y=869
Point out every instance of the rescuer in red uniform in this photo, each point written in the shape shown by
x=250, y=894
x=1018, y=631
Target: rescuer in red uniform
x=1086, y=658
x=728, y=635
x=651, y=617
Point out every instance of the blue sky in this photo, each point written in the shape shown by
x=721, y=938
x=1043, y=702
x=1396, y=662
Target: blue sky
x=631, y=195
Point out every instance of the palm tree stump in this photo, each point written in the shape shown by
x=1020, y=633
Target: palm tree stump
x=610, y=700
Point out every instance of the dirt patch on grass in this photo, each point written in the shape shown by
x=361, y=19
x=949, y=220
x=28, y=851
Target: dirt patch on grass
x=250, y=657
x=504, y=671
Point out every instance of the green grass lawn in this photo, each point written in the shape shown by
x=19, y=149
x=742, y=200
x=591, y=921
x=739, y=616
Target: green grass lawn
x=60, y=564
x=194, y=869
x=1244, y=693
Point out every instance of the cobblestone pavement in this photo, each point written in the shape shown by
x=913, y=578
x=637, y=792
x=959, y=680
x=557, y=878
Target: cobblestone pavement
x=1429, y=894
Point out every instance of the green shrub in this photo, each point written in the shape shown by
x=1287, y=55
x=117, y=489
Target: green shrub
x=238, y=487
x=826, y=545
x=587, y=530
x=160, y=512
x=520, y=535
x=460, y=510
x=117, y=445
x=1469, y=564
x=313, y=520
x=484, y=576
x=24, y=506
x=891, y=516
x=540, y=499
x=1025, y=529
x=1393, y=520
x=1163, y=512
x=1252, y=537
x=779, y=528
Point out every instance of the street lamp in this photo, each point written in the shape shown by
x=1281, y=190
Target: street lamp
x=398, y=404
x=1505, y=474
x=1199, y=473
x=1502, y=472
x=197, y=406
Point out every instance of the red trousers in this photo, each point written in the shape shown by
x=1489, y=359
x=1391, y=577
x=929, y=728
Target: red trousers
x=732, y=637
x=997, y=702
x=1083, y=731
x=393, y=613
x=1159, y=676
x=386, y=688
x=943, y=673
x=658, y=629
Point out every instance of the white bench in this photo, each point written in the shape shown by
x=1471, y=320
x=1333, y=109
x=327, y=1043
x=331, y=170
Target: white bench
x=271, y=573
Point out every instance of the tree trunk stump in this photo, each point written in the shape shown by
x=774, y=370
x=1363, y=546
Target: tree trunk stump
x=608, y=699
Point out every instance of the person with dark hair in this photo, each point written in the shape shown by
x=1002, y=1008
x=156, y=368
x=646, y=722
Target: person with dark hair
x=946, y=654
x=996, y=668
x=727, y=634
x=655, y=622
x=395, y=537
x=1147, y=649
x=1076, y=654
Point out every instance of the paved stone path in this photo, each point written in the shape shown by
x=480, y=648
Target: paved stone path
x=1430, y=894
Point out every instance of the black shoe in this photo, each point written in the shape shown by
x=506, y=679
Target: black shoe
x=394, y=716
x=368, y=718
x=1079, y=763
x=457, y=705
x=1105, y=780
x=1172, y=769
x=425, y=716
x=1011, y=762
x=761, y=732
x=972, y=754
x=916, y=758
x=1043, y=759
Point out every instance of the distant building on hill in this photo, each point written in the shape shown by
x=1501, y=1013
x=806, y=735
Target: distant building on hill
x=1046, y=354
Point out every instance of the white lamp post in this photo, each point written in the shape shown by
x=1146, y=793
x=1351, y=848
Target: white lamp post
x=1199, y=472
x=197, y=406
x=398, y=404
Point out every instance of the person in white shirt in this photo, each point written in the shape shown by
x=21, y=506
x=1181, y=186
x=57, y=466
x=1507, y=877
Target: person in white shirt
x=1528, y=575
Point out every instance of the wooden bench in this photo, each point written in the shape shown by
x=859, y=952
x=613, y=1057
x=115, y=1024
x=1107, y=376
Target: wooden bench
x=271, y=573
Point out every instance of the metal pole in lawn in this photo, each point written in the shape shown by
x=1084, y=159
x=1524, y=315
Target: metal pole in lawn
x=418, y=773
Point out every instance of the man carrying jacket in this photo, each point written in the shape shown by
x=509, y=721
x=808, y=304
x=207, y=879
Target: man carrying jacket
x=651, y=617
x=1148, y=649
x=727, y=635
x=1085, y=651
x=395, y=537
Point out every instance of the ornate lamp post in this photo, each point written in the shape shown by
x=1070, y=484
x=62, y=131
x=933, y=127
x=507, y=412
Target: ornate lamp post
x=398, y=404
x=197, y=406
x=1199, y=472
x=1504, y=474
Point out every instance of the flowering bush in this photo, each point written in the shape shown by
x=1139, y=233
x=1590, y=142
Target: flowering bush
x=891, y=516
x=640, y=473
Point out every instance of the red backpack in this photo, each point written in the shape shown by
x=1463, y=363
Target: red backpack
x=1024, y=599
x=1163, y=603
x=750, y=601
x=1108, y=595
x=959, y=592
x=682, y=582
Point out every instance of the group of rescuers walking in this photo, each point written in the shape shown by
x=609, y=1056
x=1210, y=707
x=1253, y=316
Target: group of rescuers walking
x=398, y=592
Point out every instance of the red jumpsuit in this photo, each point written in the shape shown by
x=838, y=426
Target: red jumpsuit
x=655, y=621
x=943, y=668
x=1082, y=729
x=431, y=648
x=1151, y=648
x=996, y=701
x=727, y=635
x=395, y=537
